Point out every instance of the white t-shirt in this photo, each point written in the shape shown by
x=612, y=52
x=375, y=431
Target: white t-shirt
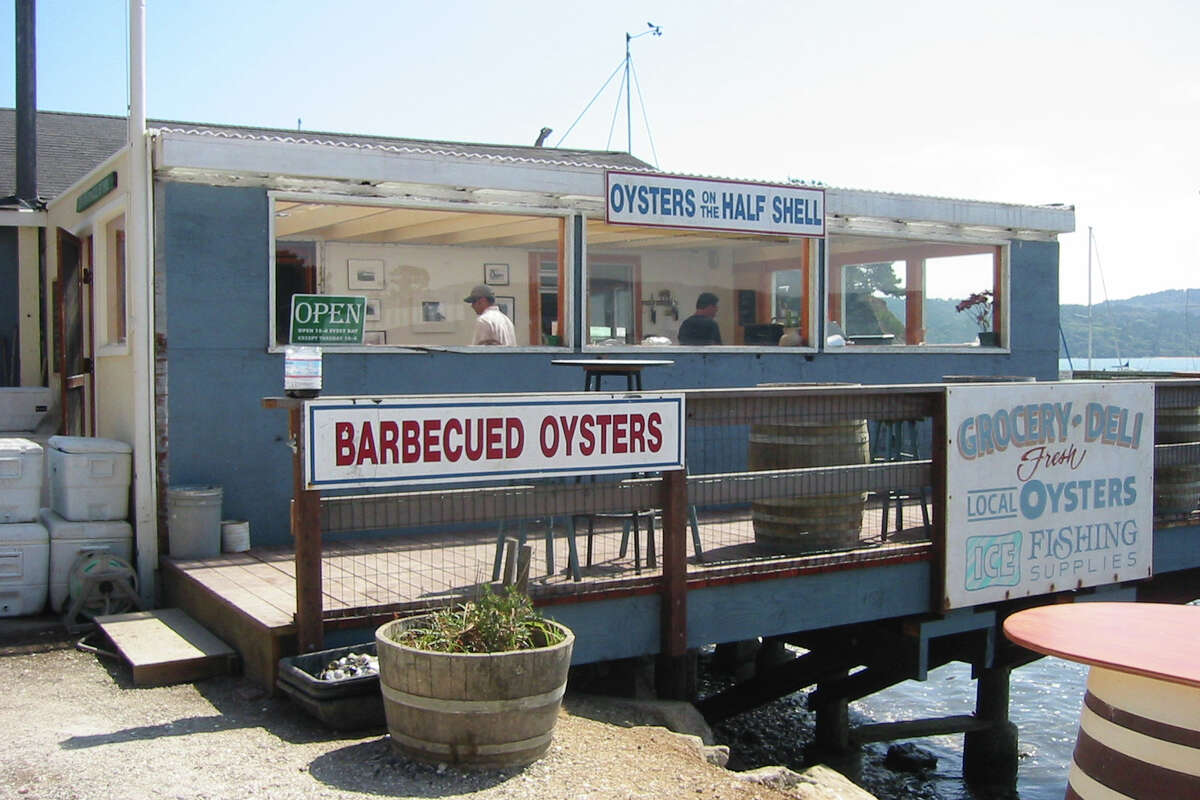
x=492, y=327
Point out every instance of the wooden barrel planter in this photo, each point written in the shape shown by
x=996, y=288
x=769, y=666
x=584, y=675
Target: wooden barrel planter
x=817, y=522
x=471, y=709
x=1176, y=488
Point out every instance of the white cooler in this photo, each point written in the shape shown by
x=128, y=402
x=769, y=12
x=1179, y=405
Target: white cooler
x=22, y=407
x=88, y=477
x=24, y=568
x=69, y=539
x=20, y=480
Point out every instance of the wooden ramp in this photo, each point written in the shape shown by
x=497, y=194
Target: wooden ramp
x=166, y=646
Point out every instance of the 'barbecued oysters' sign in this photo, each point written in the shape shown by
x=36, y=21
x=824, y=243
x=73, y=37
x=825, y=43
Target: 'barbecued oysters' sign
x=1049, y=488
x=392, y=441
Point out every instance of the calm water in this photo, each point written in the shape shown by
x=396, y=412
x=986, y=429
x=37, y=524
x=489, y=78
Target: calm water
x=1045, y=698
x=1180, y=364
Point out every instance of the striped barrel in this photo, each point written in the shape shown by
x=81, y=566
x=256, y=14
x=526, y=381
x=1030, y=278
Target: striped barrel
x=1139, y=737
x=471, y=709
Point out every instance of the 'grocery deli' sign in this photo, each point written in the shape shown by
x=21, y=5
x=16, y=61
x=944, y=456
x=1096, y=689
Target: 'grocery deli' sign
x=676, y=201
x=1050, y=487
x=391, y=441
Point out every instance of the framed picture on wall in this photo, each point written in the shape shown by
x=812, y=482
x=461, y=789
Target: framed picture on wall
x=374, y=337
x=430, y=316
x=508, y=305
x=374, y=311
x=495, y=274
x=364, y=273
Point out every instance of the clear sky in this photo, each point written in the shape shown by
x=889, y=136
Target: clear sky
x=1093, y=104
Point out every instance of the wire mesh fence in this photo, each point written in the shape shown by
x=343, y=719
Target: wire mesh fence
x=775, y=473
x=794, y=472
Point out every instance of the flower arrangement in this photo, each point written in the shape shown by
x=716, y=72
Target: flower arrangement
x=981, y=302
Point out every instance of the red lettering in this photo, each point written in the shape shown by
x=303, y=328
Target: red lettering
x=453, y=451
x=549, y=446
x=343, y=433
x=432, y=452
x=495, y=437
x=637, y=427
x=568, y=428
x=588, y=445
x=475, y=442
x=620, y=423
x=515, y=437
x=366, y=445
x=389, y=434
x=410, y=441
x=654, y=428
x=603, y=420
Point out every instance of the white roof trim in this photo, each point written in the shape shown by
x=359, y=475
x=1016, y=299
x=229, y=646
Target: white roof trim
x=301, y=163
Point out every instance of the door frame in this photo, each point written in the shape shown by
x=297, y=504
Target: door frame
x=83, y=381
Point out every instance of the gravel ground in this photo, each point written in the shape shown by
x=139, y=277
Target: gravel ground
x=75, y=727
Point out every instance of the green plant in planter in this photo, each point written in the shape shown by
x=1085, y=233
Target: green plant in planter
x=492, y=623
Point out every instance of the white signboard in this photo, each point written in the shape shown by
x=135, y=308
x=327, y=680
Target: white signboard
x=391, y=441
x=673, y=201
x=1050, y=487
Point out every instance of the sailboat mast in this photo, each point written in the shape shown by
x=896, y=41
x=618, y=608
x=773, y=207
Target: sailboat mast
x=1089, y=298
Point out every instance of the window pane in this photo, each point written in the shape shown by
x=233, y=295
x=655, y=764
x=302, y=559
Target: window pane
x=645, y=284
x=899, y=291
x=114, y=284
x=416, y=266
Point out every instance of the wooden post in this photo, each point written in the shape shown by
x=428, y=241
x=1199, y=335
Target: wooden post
x=672, y=672
x=990, y=755
x=306, y=534
x=938, y=457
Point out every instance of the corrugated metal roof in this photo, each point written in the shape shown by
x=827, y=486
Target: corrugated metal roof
x=71, y=145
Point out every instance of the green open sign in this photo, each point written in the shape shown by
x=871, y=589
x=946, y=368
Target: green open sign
x=327, y=319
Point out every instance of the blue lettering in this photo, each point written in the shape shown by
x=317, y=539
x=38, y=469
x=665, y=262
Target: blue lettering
x=1033, y=499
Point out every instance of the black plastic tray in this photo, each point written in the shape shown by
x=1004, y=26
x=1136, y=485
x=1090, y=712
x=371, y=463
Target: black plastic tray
x=347, y=704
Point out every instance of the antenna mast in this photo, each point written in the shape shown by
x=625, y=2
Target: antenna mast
x=657, y=31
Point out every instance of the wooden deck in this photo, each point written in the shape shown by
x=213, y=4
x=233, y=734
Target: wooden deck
x=249, y=599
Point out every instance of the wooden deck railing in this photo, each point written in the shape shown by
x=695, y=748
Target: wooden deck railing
x=709, y=413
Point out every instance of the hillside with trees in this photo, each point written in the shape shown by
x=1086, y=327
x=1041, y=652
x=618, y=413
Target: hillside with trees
x=1150, y=325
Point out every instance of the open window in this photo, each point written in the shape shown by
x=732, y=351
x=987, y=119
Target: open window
x=414, y=266
x=906, y=292
x=644, y=283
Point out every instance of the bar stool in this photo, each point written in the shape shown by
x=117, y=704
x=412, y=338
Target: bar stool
x=896, y=440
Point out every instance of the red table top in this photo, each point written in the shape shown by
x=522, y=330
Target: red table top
x=1156, y=640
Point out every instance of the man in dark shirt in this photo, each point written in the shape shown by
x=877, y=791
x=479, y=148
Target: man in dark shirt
x=701, y=328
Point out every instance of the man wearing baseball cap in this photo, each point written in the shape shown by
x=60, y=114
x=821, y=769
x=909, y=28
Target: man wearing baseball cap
x=491, y=326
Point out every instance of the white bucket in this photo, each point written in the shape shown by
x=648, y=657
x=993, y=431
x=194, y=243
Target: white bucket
x=235, y=535
x=194, y=521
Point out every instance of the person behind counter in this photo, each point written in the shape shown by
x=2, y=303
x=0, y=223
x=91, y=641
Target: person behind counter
x=491, y=326
x=701, y=328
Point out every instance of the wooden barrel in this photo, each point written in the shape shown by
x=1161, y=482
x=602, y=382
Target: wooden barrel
x=1177, y=487
x=471, y=709
x=1138, y=737
x=811, y=523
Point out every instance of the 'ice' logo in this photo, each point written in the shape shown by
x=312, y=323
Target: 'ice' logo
x=992, y=561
